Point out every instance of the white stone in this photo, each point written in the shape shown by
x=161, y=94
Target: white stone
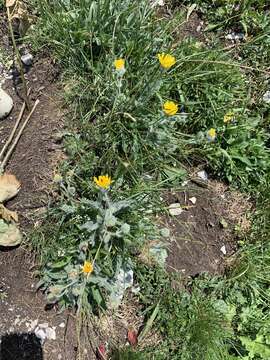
x=40, y=334
x=50, y=333
x=175, y=209
x=27, y=59
x=6, y=104
x=43, y=326
x=62, y=325
x=223, y=250
x=266, y=97
x=193, y=200
x=33, y=324
x=157, y=3
x=203, y=175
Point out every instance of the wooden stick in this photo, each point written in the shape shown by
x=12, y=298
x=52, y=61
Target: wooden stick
x=9, y=140
x=18, y=136
x=26, y=99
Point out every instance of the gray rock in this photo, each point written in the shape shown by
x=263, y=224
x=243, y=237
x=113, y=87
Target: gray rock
x=175, y=209
x=6, y=104
x=203, y=175
x=27, y=59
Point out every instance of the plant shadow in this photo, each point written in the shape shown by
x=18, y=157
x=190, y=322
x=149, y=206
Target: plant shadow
x=20, y=346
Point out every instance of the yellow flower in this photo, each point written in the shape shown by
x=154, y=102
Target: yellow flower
x=211, y=134
x=87, y=267
x=103, y=181
x=170, y=108
x=57, y=178
x=166, y=60
x=228, y=117
x=119, y=64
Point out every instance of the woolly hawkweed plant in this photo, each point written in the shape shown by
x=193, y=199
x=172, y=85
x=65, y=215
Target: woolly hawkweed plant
x=87, y=263
x=88, y=266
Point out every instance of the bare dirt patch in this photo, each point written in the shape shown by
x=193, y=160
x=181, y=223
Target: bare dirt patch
x=23, y=311
x=203, y=235
x=33, y=159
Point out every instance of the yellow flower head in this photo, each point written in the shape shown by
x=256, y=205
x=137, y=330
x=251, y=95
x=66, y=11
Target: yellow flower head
x=119, y=64
x=103, y=181
x=211, y=134
x=88, y=267
x=228, y=117
x=57, y=178
x=166, y=60
x=170, y=108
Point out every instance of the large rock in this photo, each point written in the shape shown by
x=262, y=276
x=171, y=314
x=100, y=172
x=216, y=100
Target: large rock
x=6, y=104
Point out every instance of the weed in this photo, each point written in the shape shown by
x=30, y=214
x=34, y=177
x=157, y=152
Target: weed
x=127, y=354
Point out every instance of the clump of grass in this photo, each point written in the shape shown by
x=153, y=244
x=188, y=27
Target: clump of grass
x=224, y=14
x=121, y=121
x=190, y=323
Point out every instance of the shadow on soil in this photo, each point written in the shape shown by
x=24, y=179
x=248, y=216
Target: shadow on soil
x=25, y=346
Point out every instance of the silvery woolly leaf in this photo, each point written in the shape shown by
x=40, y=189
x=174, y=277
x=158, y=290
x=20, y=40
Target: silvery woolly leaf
x=83, y=246
x=99, y=219
x=159, y=253
x=77, y=290
x=107, y=237
x=165, y=232
x=89, y=226
x=125, y=228
x=100, y=281
x=117, y=206
x=68, y=209
x=90, y=203
x=109, y=219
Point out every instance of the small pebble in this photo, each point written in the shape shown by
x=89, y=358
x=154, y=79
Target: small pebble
x=27, y=59
x=266, y=97
x=223, y=250
x=6, y=104
x=203, y=175
x=175, y=209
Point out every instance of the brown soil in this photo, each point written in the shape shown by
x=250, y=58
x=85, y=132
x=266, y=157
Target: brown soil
x=33, y=163
x=20, y=306
x=187, y=28
x=203, y=228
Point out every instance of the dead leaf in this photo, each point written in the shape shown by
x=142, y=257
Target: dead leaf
x=132, y=337
x=10, y=235
x=101, y=352
x=7, y=214
x=10, y=3
x=9, y=187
